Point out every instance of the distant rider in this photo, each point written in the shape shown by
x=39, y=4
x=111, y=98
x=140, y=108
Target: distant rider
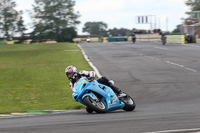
x=88, y=40
x=133, y=37
x=163, y=37
x=74, y=76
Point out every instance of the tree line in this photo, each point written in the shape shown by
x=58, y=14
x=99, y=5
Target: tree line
x=55, y=20
x=51, y=19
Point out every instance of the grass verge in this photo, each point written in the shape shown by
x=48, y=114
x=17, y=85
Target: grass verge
x=32, y=77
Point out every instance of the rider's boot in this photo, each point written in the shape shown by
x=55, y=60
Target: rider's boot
x=104, y=80
x=119, y=93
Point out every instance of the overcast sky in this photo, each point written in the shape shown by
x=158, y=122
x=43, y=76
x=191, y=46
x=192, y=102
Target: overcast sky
x=167, y=14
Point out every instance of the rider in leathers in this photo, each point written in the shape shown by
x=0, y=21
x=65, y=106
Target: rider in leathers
x=74, y=76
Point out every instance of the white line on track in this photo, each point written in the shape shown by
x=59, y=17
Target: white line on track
x=191, y=45
x=161, y=48
x=89, y=62
x=177, y=131
x=153, y=58
x=190, y=69
x=172, y=63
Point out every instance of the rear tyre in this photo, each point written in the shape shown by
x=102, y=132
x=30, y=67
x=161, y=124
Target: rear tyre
x=129, y=103
x=94, y=105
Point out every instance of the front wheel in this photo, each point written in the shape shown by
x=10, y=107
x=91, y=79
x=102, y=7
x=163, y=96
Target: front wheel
x=129, y=103
x=88, y=110
x=133, y=40
x=164, y=42
x=97, y=106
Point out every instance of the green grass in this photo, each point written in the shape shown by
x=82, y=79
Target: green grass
x=32, y=77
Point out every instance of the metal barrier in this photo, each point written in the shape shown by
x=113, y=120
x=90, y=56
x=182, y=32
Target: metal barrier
x=176, y=39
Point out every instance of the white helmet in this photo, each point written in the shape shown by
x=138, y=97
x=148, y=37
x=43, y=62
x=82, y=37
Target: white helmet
x=71, y=72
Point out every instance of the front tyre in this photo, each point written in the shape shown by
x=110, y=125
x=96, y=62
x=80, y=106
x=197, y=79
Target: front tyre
x=88, y=110
x=133, y=40
x=94, y=105
x=163, y=42
x=129, y=103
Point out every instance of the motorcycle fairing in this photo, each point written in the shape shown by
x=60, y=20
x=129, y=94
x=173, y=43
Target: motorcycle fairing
x=85, y=88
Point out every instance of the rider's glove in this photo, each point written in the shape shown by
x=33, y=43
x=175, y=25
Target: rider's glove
x=90, y=79
x=83, y=72
x=71, y=85
x=87, y=73
x=92, y=74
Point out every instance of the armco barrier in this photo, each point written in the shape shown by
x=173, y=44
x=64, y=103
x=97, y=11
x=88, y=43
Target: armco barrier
x=10, y=42
x=3, y=43
x=197, y=38
x=83, y=40
x=176, y=39
x=129, y=38
x=146, y=37
x=116, y=39
x=105, y=40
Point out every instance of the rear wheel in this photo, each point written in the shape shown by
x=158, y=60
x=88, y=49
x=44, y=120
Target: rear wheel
x=129, y=103
x=94, y=105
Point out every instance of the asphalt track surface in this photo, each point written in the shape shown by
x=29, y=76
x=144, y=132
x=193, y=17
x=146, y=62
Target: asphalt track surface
x=163, y=80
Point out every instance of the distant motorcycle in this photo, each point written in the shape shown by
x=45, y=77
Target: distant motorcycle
x=133, y=38
x=100, y=98
x=88, y=40
x=163, y=39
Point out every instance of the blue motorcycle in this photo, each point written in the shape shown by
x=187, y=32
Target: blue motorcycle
x=100, y=98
